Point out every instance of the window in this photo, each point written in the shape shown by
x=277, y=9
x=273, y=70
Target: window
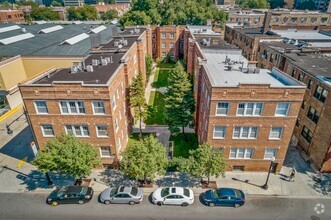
x=72, y=107
x=293, y=73
x=241, y=153
x=320, y=94
x=182, y=36
x=172, y=45
x=123, y=89
x=164, y=45
x=119, y=144
x=219, y=132
x=313, y=115
x=77, y=130
x=222, y=108
x=269, y=153
x=135, y=59
x=117, y=94
x=154, y=36
x=164, y=54
x=245, y=132
x=163, y=35
x=276, y=133
x=297, y=124
x=102, y=130
x=113, y=102
x=301, y=76
x=303, y=105
x=41, y=107
x=282, y=109
x=310, y=84
x=105, y=151
x=116, y=125
x=307, y=134
x=47, y=130
x=171, y=54
x=181, y=46
x=98, y=108
x=172, y=35
x=250, y=109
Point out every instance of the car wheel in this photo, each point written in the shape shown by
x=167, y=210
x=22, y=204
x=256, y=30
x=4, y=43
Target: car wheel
x=159, y=203
x=80, y=202
x=54, y=203
x=211, y=204
x=237, y=205
x=132, y=203
x=185, y=204
x=107, y=202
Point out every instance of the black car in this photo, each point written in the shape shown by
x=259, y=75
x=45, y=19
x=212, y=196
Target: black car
x=224, y=197
x=70, y=195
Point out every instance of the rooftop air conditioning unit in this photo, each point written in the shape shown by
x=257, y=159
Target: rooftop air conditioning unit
x=89, y=68
x=125, y=42
x=104, y=62
x=74, y=69
x=116, y=43
x=95, y=62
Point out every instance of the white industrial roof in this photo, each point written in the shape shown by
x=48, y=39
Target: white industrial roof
x=51, y=29
x=10, y=28
x=77, y=22
x=76, y=39
x=220, y=77
x=98, y=29
x=313, y=35
x=16, y=38
x=40, y=22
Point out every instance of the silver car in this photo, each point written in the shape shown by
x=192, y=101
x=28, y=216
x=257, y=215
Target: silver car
x=122, y=194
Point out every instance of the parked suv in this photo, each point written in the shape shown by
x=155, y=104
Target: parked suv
x=70, y=195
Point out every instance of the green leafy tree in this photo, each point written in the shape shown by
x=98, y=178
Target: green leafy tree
x=44, y=14
x=149, y=65
x=56, y=4
x=179, y=101
x=276, y=3
x=205, y=161
x=5, y=3
x=84, y=13
x=138, y=100
x=254, y=4
x=109, y=15
x=309, y=4
x=144, y=159
x=135, y=18
x=69, y=155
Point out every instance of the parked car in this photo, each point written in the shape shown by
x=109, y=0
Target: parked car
x=70, y=195
x=173, y=196
x=122, y=194
x=224, y=197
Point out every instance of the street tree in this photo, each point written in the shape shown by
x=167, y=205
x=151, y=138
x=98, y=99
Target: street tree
x=254, y=4
x=44, y=14
x=179, y=101
x=149, y=66
x=84, y=13
x=143, y=159
x=68, y=155
x=56, y=4
x=138, y=100
x=205, y=161
x=109, y=15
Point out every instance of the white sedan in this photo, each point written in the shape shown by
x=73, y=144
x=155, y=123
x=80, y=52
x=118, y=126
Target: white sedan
x=173, y=196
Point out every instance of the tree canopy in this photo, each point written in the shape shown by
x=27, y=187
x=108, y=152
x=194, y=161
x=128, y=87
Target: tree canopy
x=84, y=13
x=44, y=14
x=254, y=4
x=144, y=159
x=173, y=12
x=276, y=3
x=109, y=15
x=69, y=155
x=149, y=66
x=56, y=4
x=309, y=4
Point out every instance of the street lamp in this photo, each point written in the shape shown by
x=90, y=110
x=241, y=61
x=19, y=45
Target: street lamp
x=265, y=186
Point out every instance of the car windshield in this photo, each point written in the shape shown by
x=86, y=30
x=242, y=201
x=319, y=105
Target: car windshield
x=216, y=193
x=113, y=192
x=83, y=191
x=164, y=192
x=134, y=191
x=187, y=192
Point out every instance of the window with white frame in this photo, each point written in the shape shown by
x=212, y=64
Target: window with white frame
x=113, y=102
x=105, y=151
x=171, y=54
x=163, y=35
x=117, y=94
x=77, y=130
x=102, y=130
x=119, y=145
x=269, y=153
x=123, y=89
x=47, y=130
x=172, y=45
x=163, y=45
x=245, y=132
x=250, y=109
x=98, y=107
x=282, y=109
x=164, y=54
x=172, y=35
x=182, y=36
x=276, y=133
x=153, y=36
x=41, y=107
x=222, y=108
x=134, y=58
x=72, y=107
x=219, y=132
x=241, y=153
x=116, y=124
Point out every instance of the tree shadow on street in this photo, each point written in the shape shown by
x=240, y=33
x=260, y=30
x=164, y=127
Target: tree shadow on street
x=178, y=179
x=113, y=178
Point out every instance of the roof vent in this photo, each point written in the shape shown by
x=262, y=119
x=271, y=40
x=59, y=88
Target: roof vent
x=104, y=61
x=89, y=68
x=23, y=30
x=95, y=62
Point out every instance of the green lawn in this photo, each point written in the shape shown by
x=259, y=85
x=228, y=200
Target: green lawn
x=181, y=148
x=155, y=109
x=161, y=78
x=135, y=137
x=167, y=65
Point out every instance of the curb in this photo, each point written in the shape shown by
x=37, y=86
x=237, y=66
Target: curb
x=10, y=113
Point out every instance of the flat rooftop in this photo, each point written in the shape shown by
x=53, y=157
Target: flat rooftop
x=304, y=35
x=280, y=46
x=254, y=31
x=213, y=42
x=202, y=29
x=241, y=73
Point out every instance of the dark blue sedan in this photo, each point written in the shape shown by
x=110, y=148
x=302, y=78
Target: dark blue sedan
x=224, y=197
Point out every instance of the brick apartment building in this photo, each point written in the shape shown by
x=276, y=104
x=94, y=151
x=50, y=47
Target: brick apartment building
x=90, y=98
x=11, y=16
x=246, y=112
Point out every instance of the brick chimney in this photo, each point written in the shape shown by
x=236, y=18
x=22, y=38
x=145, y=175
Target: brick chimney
x=266, y=22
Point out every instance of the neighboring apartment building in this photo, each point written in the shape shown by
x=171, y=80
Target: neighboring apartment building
x=90, y=99
x=73, y=3
x=168, y=41
x=246, y=112
x=248, y=16
x=11, y=16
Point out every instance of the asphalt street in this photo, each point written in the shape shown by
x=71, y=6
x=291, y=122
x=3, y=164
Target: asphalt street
x=33, y=206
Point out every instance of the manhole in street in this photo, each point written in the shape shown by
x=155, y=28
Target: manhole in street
x=314, y=217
